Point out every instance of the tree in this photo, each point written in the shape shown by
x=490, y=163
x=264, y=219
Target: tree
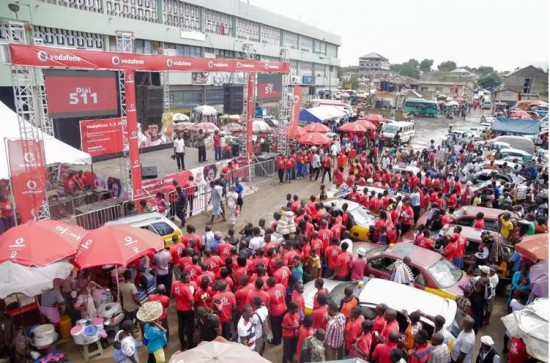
x=490, y=81
x=408, y=70
x=446, y=66
x=413, y=62
x=426, y=65
x=484, y=71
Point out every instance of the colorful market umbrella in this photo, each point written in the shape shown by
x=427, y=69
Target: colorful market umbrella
x=534, y=248
x=295, y=133
x=218, y=351
x=232, y=128
x=352, y=127
x=314, y=138
x=366, y=124
x=316, y=127
x=40, y=243
x=206, y=127
x=116, y=245
x=374, y=117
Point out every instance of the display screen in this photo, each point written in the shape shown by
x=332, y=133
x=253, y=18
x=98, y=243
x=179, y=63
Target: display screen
x=270, y=87
x=81, y=93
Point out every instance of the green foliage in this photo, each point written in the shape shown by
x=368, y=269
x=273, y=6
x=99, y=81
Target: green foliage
x=426, y=65
x=446, y=66
x=491, y=80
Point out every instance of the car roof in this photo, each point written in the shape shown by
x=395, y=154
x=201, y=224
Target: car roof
x=139, y=219
x=419, y=256
x=489, y=213
x=401, y=297
x=517, y=151
x=470, y=233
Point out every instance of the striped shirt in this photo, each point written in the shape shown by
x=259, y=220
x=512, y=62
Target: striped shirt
x=334, y=337
x=246, y=330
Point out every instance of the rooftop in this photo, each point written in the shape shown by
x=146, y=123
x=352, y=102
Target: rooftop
x=373, y=55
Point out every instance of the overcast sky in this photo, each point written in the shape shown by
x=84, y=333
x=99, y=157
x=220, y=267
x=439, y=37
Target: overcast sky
x=504, y=34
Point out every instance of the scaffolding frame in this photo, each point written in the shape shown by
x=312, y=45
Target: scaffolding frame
x=285, y=108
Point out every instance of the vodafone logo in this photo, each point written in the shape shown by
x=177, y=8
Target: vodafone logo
x=115, y=60
x=295, y=99
x=87, y=244
x=169, y=62
x=210, y=64
x=244, y=65
x=29, y=157
x=31, y=185
x=17, y=244
x=132, y=106
x=42, y=56
x=239, y=65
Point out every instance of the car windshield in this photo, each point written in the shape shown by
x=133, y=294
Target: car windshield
x=361, y=217
x=337, y=294
x=390, y=129
x=445, y=273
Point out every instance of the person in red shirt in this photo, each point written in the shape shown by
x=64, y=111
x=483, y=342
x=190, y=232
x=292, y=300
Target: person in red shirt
x=379, y=322
x=327, y=164
x=226, y=172
x=406, y=217
x=518, y=351
x=452, y=201
x=319, y=283
x=325, y=234
x=276, y=308
x=242, y=292
x=319, y=313
x=392, y=325
x=224, y=250
x=331, y=256
x=362, y=346
x=192, y=239
x=316, y=244
x=450, y=249
x=282, y=273
x=479, y=222
x=364, y=200
x=213, y=262
x=164, y=300
x=336, y=228
x=424, y=241
x=217, y=145
x=343, y=264
x=461, y=244
x=176, y=249
x=289, y=169
x=258, y=291
x=305, y=331
x=297, y=295
x=338, y=176
x=290, y=326
x=182, y=292
x=445, y=217
x=355, y=323
x=224, y=304
x=194, y=269
x=354, y=196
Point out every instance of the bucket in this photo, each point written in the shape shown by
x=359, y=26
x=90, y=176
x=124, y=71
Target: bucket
x=65, y=327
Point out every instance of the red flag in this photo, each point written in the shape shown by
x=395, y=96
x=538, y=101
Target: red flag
x=28, y=176
x=296, y=102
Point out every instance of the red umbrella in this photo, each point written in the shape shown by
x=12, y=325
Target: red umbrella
x=116, y=245
x=314, y=138
x=366, y=124
x=373, y=117
x=206, y=126
x=315, y=127
x=294, y=134
x=352, y=127
x=40, y=243
x=534, y=248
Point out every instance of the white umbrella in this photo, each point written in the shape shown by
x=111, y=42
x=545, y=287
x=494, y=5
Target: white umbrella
x=30, y=281
x=180, y=117
x=260, y=127
x=206, y=110
x=451, y=103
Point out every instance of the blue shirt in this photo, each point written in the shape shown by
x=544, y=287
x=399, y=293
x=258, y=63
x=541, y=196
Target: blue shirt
x=156, y=337
x=516, y=261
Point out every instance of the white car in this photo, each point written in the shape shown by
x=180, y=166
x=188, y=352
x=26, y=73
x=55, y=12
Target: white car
x=516, y=154
x=374, y=291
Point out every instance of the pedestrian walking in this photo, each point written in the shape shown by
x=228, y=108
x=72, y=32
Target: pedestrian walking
x=179, y=151
x=201, y=146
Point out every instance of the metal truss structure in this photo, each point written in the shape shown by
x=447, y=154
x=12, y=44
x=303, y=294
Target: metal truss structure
x=285, y=108
x=248, y=52
x=31, y=109
x=165, y=91
x=124, y=44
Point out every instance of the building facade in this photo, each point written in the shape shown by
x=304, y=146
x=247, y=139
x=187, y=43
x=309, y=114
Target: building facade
x=191, y=28
x=528, y=80
x=373, y=64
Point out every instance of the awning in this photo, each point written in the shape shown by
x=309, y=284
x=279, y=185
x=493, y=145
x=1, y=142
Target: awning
x=320, y=114
x=518, y=126
x=56, y=151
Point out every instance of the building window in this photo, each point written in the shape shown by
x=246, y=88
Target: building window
x=305, y=69
x=320, y=47
x=69, y=38
x=183, y=15
x=88, y=5
x=306, y=44
x=185, y=99
x=140, y=10
x=527, y=85
x=290, y=40
x=144, y=46
x=270, y=35
x=293, y=67
x=214, y=96
x=248, y=30
x=217, y=23
x=224, y=53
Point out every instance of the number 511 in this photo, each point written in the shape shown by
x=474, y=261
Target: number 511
x=76, y=98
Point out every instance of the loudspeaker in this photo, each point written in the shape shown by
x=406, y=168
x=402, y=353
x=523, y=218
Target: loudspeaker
x=311, y=91
x=233, y=99
x=148, y=172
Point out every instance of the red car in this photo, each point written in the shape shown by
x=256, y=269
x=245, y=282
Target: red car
x=433, y=273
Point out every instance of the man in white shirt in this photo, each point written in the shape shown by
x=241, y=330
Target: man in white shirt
x=315, y=166
x=463, y=348
x=162, y=260
x=179, y=151
x=258, y=318
x=245, y=328
x=257, y=241
x=334, y=151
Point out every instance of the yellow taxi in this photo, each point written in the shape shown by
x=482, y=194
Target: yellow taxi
x=154, y=222
x=361, y=219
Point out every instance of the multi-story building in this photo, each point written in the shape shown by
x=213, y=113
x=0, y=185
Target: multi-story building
x=529, y=80
x=192, y=28
x=373, y=64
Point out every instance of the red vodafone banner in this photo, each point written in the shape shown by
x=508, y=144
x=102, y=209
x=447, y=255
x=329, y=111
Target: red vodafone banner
x=101, y=137
x=250, y=114
x=28, y=176
x=296, y=102
x=39, y=56
x=131, y=127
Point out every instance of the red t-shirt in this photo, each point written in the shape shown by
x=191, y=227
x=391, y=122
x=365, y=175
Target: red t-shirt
x=378, y=324
x=282, y=275
x=326, y=236
x=518, y=351
x=224, y=250
x=320, y=317
x=241, y=295
x=299, y=298
x=290, y=319
x=175, y=251
x=203, y=297
x=214, y=264
x=264, y=295
x=315, y=303
x=326, y=162
x=277, y=304
x=392, y=326
x=338, y=177
x=193, y=237
x=225, y=306
x=382, y=352
x=331, y=254
x=450, y=250
x=479, y=224
x=303, y=333
x=343, y=263
x=183, y=294
x=164, y=300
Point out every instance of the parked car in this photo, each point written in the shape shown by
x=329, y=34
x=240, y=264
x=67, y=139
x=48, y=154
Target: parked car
x=362, y=220
x=524, y=143
x=516, y=153
x=494, y=174
x=396, y=296
x=433, y=273
x=344, y=192
x=154, y=222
